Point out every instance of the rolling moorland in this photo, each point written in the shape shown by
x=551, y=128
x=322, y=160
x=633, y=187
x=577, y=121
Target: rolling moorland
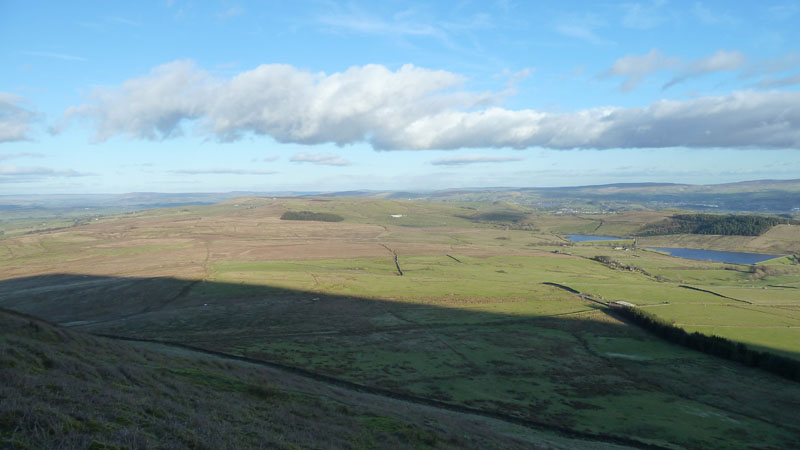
x=449, y=322
x=20, y=214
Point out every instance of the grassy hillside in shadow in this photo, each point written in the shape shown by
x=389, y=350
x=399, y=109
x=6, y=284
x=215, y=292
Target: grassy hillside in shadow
x=578, y=369
x=63, y=389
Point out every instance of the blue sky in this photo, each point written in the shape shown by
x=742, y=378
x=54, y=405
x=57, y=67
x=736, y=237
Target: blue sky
x=193, y=96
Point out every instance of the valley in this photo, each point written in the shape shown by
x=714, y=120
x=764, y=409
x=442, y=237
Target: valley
x=477, y=320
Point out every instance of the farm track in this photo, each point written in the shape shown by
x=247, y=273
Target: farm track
x=383, y=392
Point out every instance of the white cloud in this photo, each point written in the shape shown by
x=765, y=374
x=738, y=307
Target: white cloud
x=150, y=107
x=222, y=171
x=414, y=109
x=473, y=159
x=636, y=67
x=277, y=100
x=721, y=61
x=326, y=159
x=15, y=121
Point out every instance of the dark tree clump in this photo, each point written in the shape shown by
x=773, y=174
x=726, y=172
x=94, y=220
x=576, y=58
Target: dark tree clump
x=314, y=216
x=713, y=345
x=729, y=225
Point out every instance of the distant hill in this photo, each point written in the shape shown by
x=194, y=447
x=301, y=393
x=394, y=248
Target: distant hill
x=772, y=196
x=764, y=196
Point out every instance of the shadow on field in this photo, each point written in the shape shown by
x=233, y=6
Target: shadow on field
x=579, y=371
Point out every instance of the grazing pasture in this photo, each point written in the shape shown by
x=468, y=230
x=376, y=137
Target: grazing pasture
x=471, y=322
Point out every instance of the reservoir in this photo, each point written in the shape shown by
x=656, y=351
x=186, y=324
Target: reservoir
x=717, y=256
x=588, y=238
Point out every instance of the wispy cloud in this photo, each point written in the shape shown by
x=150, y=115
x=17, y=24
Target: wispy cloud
x=779, y=82
x=473, y=159
x=61, y=56
x=636, y=67
x=8, y=156
x=267, y=159
x=15, y=121
x=721, y=61
x=363, y=23
x=709, y=17
x=223, y=171
x=320, y=159
x=644, y=16
x=414, y=109
x=412, y=23
x=22, y=174
x=782, y=11
x=584, y=28
x=583, y=33
x=124, y=21
x=230, y=13
x=774, y=65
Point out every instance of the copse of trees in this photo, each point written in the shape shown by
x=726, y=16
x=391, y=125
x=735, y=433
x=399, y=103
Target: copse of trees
x=498, y=216
x=728, y=225
x=713, y=345
x=314, y=216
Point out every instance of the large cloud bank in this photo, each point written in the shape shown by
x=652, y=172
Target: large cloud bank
x=414, y=108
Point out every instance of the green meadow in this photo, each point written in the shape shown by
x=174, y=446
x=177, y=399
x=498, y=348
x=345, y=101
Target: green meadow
x=484, y=315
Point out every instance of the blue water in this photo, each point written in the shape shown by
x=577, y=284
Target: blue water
x=717, y=256
x=586, y=237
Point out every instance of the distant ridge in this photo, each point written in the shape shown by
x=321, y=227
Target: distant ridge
x=605, y=186
x=781, y=196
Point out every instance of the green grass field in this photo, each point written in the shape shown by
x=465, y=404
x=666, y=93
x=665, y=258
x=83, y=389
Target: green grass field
x=470, y=322
x=63, y=389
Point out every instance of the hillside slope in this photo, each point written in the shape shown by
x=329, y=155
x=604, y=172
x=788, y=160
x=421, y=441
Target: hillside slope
x=62, y=389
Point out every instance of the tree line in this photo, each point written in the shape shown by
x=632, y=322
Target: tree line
x=728, y=225
x=713, y=345
x=308, y=215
